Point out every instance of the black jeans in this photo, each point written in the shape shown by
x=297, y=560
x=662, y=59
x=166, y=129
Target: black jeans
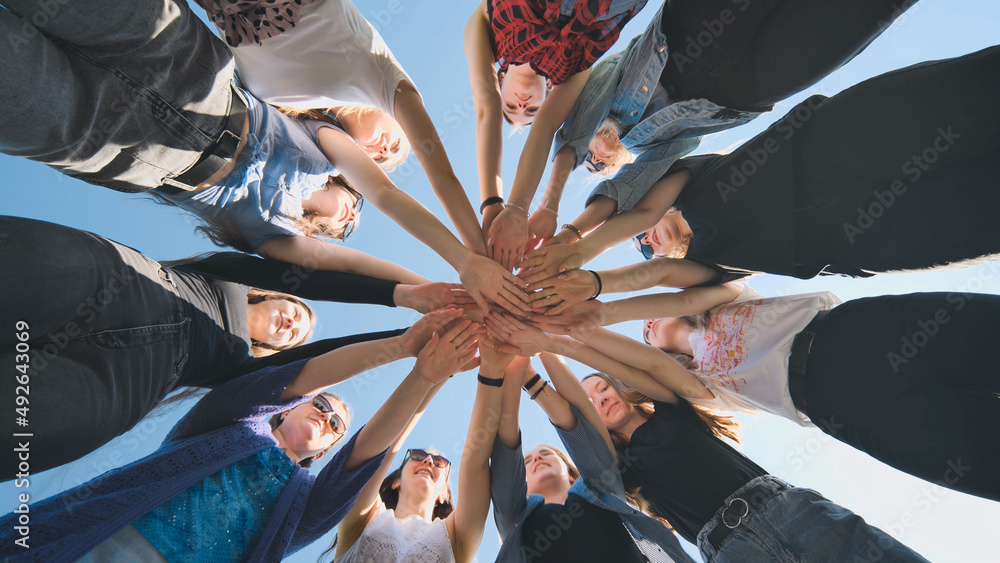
x=912, y=380
x=749, y=54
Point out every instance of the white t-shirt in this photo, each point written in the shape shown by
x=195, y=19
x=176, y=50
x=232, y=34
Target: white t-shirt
x=742, y=354
x=388, y=539
x=332, y=57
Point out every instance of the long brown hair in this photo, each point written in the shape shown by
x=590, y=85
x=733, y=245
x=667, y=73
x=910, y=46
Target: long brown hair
x=255, y=296
x=719, y=426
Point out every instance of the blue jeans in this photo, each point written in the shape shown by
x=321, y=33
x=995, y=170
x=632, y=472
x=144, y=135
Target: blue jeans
x=795, y=525
x=124, y=95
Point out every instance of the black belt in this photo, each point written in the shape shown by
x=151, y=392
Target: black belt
x=797, y=361
x=739, y=509
x=220, y=152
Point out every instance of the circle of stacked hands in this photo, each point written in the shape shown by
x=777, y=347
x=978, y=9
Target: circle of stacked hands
x=275, y=123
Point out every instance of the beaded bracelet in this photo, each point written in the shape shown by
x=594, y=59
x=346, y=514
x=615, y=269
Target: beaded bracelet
x=572, y=228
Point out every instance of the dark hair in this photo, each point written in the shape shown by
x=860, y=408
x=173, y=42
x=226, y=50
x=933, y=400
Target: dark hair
x=276, y=420
x=390, y=496
x=255, y=296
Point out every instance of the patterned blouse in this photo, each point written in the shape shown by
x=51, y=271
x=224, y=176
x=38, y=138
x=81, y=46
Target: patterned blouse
x=556, y=46
x=245, y=21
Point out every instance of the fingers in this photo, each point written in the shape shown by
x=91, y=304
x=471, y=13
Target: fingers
x=454, y=330
x=543, y=293
x=481, y=302
x=534, y=259
x=559, y=308
x=469, y=336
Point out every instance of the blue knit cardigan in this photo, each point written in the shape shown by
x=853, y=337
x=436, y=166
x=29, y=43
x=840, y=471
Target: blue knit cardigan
x=228, y=424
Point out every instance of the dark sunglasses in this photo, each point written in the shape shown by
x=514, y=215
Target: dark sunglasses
x=594, y=167
x=439, y=461
x=645, y=249
x=349, y=227
x=337, y=424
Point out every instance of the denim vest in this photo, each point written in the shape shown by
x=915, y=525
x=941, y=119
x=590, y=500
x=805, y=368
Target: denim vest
x=620, y=87
x=600, y=485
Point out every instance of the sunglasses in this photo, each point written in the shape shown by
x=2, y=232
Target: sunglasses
x=594, y=167
x=439, y=461
x=337, y=424
x=645, y=249
x=349, y=227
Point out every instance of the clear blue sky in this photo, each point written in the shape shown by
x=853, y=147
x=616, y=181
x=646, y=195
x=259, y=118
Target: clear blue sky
x=940, y=524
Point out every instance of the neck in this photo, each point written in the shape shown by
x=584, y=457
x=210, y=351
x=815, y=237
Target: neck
x=680, y=226
x=629, y=427
x=553, y=496
x=255, y=315
x=408, y=506
x=281, y=444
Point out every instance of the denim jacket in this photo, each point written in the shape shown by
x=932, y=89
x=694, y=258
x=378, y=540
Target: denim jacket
x=621, y=86
x=600, y=485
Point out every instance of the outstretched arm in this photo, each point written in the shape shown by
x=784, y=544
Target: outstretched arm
x=641, y=366
x=467, y=522
x=312, y=253
x=572, y=289
x=483, y=279
x=354, y=523
x=544, y=222
x=589, y=314
x=486, y=100
x=440, y=358
x=551, y=260
x=426, y=143
x=509, y=233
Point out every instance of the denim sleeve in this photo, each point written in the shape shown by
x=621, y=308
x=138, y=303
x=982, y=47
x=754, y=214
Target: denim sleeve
x=333, y=493
x=256, y=395
x=508, y=486
x=592, y=457
x=591, y=108
x=636, y=178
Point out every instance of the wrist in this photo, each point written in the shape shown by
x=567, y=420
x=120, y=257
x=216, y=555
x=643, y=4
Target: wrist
x=401, y=295
x=489, y=202
x=573, y=231
x=599, y=288
x=490, y=378
x=512, y=205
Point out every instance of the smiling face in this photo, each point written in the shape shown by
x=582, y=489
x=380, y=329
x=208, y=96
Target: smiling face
x=522, y=93
x=614, y=412
x=422, y=480
x=278, y=323
x=546, y=472
x=305, y=431
x=376, y=132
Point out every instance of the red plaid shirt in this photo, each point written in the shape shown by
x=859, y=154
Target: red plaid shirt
x=531, y=31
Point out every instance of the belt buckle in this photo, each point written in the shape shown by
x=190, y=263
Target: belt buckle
x=746, y=510
x=226, y=144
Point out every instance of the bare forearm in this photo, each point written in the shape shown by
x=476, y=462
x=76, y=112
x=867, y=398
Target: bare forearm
x=426, y=143
x=344, y=363
x=389, y=421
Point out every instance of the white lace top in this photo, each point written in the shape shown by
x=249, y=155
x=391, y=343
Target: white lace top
x=388, y=539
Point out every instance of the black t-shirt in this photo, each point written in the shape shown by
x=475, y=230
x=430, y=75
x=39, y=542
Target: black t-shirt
x=577, y=531
x=212, y=292
x=683, y=470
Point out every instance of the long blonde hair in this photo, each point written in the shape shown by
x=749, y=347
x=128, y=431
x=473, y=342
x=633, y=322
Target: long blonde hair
x=335, y=116
x=620, y=156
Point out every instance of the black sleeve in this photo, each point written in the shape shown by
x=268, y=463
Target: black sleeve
x=723, y=274
x=305, y=351
x=274, y=275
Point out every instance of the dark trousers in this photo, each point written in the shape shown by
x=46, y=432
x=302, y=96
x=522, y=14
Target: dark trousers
x=749, y=54
x=912, y=380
